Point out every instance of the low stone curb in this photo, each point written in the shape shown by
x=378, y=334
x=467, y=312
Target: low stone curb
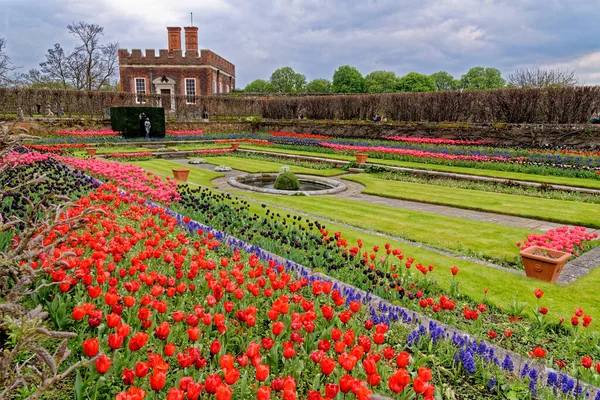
x=239, y=182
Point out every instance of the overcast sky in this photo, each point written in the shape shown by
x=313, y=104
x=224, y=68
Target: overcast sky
x=316, y=36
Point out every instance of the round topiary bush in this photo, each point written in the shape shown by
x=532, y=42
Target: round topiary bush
x=287, y=181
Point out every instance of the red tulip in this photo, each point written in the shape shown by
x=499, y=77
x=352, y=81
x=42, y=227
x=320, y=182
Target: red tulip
x=115, y=341
x=231, y=376
x=262, y=372
x=331, y=390
x=327, y=365
x=194, y=390
x=138, y=341
x=141, y=369
x=157, y=381
x=162, y=331
x=370, y=366
x=215, y=347
x=538, y=293
x=398, y=381
x=103, y=363
x=175, y=394
x=193, y=333
x=454, y=270
x=90, y=347
x=211, y=383
x=346, y=383
x=278, y=327
x=264, y=393
x=170, y=349
x=403, y=359
x=224, y=392
x=128, y=376
x=587, y=362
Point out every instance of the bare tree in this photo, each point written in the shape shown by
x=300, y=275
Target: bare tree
x=536, y=77
x=90, y=66
x=57, y=66
x=99, y=61
x=6, y=65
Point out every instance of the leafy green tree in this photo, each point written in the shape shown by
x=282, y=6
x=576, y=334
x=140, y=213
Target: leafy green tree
x=319, y=86
x=380, y=82
x=444, y=81
x=347, y=79
x=479, y=78
x=415, y=82
x=286, y=80
x=259, y=86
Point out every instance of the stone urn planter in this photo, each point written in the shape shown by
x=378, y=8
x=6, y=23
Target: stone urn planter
x=91, y=151
x=361, y=158
x=181, y=174
x=235, y=146
x=542, y=263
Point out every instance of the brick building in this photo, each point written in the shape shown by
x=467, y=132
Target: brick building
x=173, y=72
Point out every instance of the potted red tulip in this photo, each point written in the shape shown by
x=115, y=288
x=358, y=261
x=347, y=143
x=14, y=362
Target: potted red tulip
x=181, y=174
x=543, y=263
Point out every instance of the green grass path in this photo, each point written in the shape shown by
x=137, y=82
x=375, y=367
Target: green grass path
x=260, y=166
x=164, y=167
x=561, y=211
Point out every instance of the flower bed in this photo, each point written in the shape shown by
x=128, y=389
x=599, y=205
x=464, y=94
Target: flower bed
x=410, y=139
x=197, y=132
x=573, y=240
x=416, y=153
x=142, y=156
x=88, y=133
x=136, y=259
x=301, y=135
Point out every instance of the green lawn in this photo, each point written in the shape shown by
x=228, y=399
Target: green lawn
x=561, y=211
x=163, y=167
x=555, y=180
x=258, y=166
x=474, y=278
x=115, y=149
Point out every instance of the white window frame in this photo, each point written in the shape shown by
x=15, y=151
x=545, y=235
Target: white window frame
x=226, y=88
x=220, y=87
x=190, y=98
x=214, y=86
x=140, y=96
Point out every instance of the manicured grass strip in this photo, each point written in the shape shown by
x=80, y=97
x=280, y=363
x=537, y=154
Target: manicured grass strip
x=487, y=240
x=520, y=176
x=164, y=167
x=112, y=150
x=474, y=278
x=257, y=166
x=561, y=211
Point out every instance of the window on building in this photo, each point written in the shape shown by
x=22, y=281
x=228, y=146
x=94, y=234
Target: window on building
x=220, y=87
x=140, y=90
x=214, y=86
x=190, y=90
x=227, y=89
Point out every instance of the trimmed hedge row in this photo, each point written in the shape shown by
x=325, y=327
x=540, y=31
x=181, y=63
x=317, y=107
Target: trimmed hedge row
x=570, y=105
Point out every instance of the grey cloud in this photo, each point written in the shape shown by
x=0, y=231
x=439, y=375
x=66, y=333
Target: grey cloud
x=316, y=36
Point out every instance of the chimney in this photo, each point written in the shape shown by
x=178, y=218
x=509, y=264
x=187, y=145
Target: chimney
x=191, y=39
x=174, y=38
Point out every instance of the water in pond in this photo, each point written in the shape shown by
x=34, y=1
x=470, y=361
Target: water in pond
x=304, y=186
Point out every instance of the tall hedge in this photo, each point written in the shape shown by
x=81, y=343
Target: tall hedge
x=127, y=121
x=569, y=105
